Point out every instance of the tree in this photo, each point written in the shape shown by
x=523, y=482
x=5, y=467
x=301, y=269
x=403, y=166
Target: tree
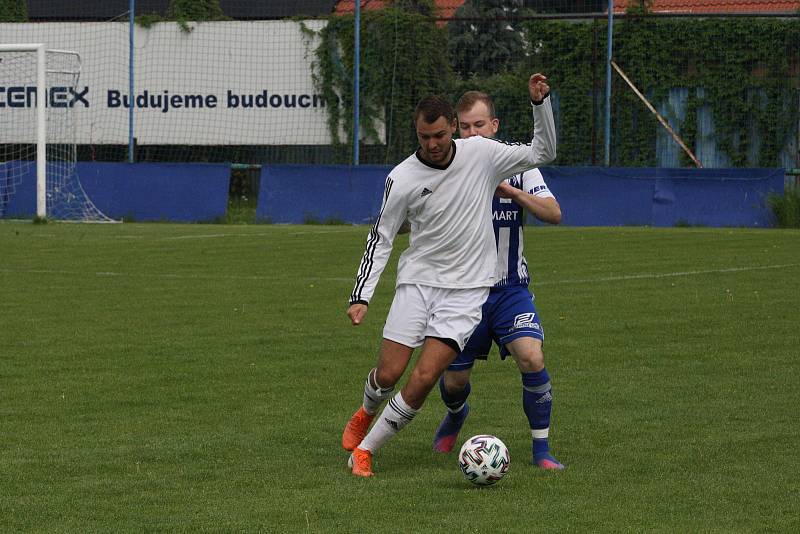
x=423, y=7
x=13, y=11
x=195, y=10
x=483, y=37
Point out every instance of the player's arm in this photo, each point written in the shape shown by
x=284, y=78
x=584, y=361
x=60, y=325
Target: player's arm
x=377, y=252
x=544, y=208
x=543, y=144
x=513, y=158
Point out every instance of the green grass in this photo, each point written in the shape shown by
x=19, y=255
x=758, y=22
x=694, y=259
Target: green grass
x=786, y=207
x=241, y=210
x=197, y=377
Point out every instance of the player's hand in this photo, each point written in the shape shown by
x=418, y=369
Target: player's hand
x=505, y=190
x=537, y=87
x=356, y=312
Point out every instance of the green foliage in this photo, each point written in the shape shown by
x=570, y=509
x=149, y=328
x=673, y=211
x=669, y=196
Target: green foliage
x=13, y=11
x=490, y=44
x=639, y=7
x=725, y=65
x=185, y=11
x=728, y=67
x=743, y=72
x=148, y=20
x=402, y=60
x=195, y=10
x=241, y=210
x=564, y=52
x=786, y=207
x=426, y=8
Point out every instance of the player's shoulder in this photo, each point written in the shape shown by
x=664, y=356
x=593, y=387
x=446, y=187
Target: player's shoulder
x=405, y=167
x=406, y=172
x=475, y=141
x=469, y=140
x=533, y=173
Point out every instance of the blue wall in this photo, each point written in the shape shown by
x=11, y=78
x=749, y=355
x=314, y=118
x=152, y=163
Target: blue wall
x=597, y=196
x=142, y=191
x=589, y=196
x=304, y=193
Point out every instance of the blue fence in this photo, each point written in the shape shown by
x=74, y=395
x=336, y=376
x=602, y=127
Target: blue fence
x=179, y=192
x=598, y=196
x=589, y=196
x=320, y=193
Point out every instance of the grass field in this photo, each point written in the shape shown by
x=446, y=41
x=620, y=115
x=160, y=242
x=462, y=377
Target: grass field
x=192, y=378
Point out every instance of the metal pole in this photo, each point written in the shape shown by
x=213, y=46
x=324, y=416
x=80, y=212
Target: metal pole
x=131, y=98
x=607, y=158
x=356, y=81
x=41, y=131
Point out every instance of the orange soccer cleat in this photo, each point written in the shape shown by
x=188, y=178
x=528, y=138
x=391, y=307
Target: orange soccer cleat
x=356, y=429
x=361, y=463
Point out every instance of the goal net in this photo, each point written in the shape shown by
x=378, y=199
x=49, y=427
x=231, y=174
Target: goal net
x=37, y=138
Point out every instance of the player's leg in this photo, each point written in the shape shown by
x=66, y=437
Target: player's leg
x=454, y=388
x=537, y=397
x=452, y=316
x=403, y=331
x=433, y=359
x=392, y=362
x=523, y=338
x=454, y=385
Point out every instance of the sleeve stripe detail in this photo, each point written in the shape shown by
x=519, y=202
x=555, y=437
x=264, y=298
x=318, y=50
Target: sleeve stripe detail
x=509, y=143
x=372, y=242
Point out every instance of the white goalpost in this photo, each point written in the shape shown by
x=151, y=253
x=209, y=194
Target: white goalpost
x=37, y=140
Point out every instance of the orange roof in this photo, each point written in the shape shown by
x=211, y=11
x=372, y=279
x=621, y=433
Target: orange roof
x=714, y=6
x=444, y=8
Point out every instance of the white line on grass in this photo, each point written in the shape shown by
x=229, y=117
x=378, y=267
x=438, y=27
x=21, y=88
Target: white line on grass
x=212, y=236
x=663, y=275
x=350, y=279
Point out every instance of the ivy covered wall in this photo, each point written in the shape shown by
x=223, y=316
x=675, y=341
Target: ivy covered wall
x=743, y=73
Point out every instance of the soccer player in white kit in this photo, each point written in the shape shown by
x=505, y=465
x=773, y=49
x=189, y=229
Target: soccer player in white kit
x=509, y=317
x=445, y=190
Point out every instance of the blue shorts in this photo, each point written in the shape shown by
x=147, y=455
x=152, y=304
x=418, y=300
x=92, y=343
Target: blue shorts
x=508, y=314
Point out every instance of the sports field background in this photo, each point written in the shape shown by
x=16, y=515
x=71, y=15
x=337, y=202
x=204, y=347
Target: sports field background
x=191, y=378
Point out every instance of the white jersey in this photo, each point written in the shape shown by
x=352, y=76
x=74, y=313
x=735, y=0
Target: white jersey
x=451, y=244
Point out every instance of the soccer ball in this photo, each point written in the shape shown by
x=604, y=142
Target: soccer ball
x=483, y=459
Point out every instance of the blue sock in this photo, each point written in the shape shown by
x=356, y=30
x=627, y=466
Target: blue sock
x=455, y=400
x=537, y=402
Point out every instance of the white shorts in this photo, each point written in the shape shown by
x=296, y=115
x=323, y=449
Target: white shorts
x=420, y=311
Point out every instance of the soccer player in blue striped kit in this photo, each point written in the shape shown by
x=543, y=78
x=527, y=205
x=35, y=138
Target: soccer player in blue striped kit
x=445, y=191
x=509, y=316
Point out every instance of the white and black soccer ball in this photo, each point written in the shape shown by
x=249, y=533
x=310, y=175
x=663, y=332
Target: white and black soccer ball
x=483, y=459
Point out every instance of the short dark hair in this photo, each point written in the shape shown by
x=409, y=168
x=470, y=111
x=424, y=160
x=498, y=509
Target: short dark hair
x=432, y=107
x=470, y=98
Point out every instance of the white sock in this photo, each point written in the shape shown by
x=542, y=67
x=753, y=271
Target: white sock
x=374, y=394
x=394, y=417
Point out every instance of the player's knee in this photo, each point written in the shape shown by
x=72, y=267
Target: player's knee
x=455, y=381
x=531, y=361
x=426, y=378
x=386, y=378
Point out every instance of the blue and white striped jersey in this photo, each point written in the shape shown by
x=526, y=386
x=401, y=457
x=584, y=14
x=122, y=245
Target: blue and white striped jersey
x=508, y=219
